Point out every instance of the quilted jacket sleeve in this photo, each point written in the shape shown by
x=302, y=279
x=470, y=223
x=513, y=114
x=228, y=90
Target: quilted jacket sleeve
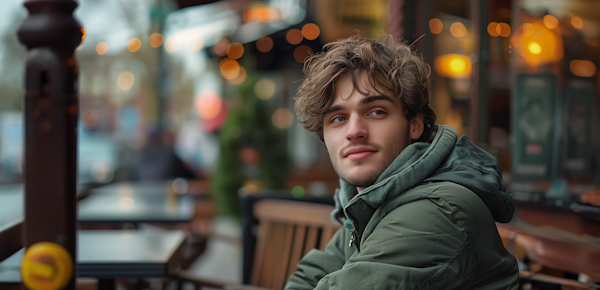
x=316, y=264
x=420, y=245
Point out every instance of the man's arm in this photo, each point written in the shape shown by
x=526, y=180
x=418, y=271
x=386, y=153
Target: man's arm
x=416, y=246
x=316, y=264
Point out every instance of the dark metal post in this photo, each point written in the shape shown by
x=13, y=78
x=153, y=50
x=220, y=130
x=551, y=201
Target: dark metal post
x=51, y=34
x=479, y=98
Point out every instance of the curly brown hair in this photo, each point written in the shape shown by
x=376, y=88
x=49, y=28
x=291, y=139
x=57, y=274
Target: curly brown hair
x=391, y=65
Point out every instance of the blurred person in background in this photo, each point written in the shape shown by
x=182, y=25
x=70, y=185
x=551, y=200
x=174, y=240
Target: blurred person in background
x=417, y=203
x=157, y=160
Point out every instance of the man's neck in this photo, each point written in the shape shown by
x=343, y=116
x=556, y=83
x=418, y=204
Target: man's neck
x=359, y=189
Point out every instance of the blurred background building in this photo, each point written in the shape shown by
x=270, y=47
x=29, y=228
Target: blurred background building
x=208, y=86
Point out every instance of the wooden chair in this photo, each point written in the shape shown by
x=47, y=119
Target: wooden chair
x=287, y=231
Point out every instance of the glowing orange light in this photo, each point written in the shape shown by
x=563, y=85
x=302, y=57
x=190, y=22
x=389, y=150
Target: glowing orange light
x=537, y=44
x=235, y=50
x=436, y=26
x=82, y=34
x=458, y=30
x=302, y=52
x=125, y=81
x=134, y=44
x=453, y=66
x=550, y=21
x=534, y=48
x=220, y=47
x=241, y=77
x=503, y=29
x=577, y=22
x=172, y=44
x=156, y=39
x=80, y=47
x=282, y=118
x=311, y=31
x=583, y=68
x=294, y=36
x=528, y=29
x=230, y=68
x=102, y=48
x=264, y=44
x=208, y=104
x=492, y=29
x=261, y=13
x=264, y=88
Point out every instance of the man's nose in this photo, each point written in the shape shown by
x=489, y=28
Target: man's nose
x=356, y=129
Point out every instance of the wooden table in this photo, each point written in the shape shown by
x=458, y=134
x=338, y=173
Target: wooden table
x=109, y=254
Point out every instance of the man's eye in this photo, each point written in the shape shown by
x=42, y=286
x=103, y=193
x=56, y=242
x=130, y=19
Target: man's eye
x=378, y=113
x=338, y=119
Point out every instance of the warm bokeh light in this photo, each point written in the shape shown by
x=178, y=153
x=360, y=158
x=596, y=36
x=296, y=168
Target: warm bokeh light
x=172, y=44
x=261, y=13
x=89, y=117
x=550, y=21
x=156, y=39
x=294, y=36
x=538, y=44
x=503, y=29
x=491, y=29
x=234, y=50
x=577, y=22
x=220, y=47
x=264, y=88
x=455, y=66
x=282, y=118
x=195, y=44
x=230, y=68
x=134, y=44
x=310, y=31
x=534, y=48
x=264, y=44
x=80, y=47
x=302, y=52
x=82, y=34
x=436, y=26
x=208, y=104
x=528, y=29
x=583, y=68
x=102, y=48
x=458, y=30
x=241, y=77
x=125, y=81
x=592, y=41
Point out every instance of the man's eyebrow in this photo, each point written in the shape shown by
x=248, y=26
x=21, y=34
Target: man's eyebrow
x=371, y=99
x=333, y=109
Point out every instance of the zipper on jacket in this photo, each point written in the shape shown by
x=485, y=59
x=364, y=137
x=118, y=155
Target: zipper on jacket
x=351, y=238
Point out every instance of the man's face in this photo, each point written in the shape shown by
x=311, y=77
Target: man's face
x=364, y=133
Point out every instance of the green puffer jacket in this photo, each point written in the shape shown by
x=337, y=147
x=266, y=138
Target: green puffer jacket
x=426, y=223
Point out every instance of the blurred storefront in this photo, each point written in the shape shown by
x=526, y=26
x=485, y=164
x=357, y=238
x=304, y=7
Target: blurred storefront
x=218, y=78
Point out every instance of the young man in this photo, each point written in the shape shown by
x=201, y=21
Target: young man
x=418, y=204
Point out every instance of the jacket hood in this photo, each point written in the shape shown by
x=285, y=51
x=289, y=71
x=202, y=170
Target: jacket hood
x=442, y=158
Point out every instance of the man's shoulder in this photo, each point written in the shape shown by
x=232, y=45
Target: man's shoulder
x=453, y=197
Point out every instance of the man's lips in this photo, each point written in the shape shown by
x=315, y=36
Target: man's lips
x=359, y=153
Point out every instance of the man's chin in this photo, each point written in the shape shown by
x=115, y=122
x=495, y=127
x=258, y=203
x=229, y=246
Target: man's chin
x=360, y=180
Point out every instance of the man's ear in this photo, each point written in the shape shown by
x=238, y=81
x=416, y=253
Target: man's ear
x=416, y=127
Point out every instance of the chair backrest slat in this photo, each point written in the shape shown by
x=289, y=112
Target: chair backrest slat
x=288, y=230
